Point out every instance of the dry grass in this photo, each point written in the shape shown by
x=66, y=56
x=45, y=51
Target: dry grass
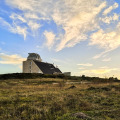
x=51, y=99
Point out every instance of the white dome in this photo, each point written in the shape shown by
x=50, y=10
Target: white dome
x=34, y=56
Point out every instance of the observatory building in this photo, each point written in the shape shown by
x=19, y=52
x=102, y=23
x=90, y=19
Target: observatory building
x=34, y=64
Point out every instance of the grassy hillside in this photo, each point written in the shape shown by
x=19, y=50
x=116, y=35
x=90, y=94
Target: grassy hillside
x=58, y=99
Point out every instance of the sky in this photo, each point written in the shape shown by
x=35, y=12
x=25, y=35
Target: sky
x=78, y=36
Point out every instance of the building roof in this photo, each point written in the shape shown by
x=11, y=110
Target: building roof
x=47, y=68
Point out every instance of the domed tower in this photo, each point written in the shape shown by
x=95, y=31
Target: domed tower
x=29, y=65
x=34, y=56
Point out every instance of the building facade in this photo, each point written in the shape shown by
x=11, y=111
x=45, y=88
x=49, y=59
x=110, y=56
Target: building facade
x=34, y=64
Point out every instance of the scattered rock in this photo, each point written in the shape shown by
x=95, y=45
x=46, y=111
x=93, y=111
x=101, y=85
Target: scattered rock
x=91, y=88
x=81, y=116
x=71, y=87
x=106, y=88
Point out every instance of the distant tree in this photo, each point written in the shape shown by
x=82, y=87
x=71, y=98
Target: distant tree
x=116, y=78
x=83, y=77
x=111, y=78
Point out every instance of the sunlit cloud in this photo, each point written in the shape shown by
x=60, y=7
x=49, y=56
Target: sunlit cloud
x=86, y=64
x=75, y=22
x=108, y=41
x=103, y=67
x=50, y=36
x=81, y=68
x=99, y=71
x=11, y=59
x=106, y=60
x=78, y=24
x=108, y=10
x=105, y=40
x=109, y=19
x=101, y=54
x=76, y=18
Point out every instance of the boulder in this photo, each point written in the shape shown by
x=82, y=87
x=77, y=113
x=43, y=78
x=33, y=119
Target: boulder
x=81, y=116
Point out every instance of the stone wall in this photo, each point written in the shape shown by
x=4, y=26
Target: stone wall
x=30, y=67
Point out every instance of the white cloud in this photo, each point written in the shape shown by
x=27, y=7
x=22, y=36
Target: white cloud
x=34, y=26
x=81, y=68
x=116, y=17
x=75, y=19
x=106, y=40
x=101, y=54
x=32, y=23
x=13, y=28
x=77, y=24
x=118, y=25
x=106, y=60
x=4, y=23
x=31, y=16
x=108, y=10
x=104, y=67
x=19, y=30
x=99, y=71
x=50, y=36
x=109, y=19
x=22, y=5
x=11, y=59
x=15, y=16
x=86, y=64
